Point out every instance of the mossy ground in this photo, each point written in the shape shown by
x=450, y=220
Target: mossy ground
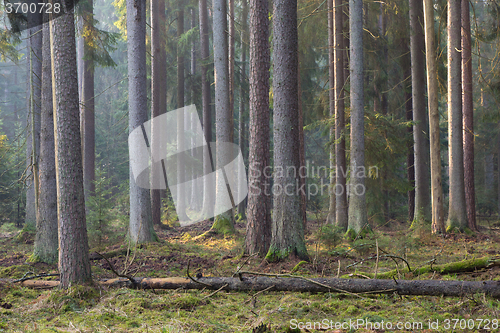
x=83, y=309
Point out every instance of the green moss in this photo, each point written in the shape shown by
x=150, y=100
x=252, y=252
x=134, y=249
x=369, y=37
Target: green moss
x=274, y=254
x=350, y=234
x=296, y=268
x=14, y=272
x=185, y=302
x=449, y=268
x=223, y=224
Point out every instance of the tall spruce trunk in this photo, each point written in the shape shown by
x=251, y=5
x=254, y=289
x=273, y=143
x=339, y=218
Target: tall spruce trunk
x=34, y=109
x=287, y=236
x=432, y=89
x=357, y=202
x=208, y=200
x=457, y=217
x=224, y=223
x=468, y=117
x=330, y=219
x=141, y=224
x=45, y=247
x=410, y=157
x=420, y=127
x=87, y=118
x=158, y=89
x=340, y=80
x=181, y=189
x=258, y=233
x=231, y=36
x=74, y=264
x=243, y=100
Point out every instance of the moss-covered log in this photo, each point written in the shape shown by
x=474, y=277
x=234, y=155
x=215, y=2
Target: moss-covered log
x=299, y=284
x=449, y=268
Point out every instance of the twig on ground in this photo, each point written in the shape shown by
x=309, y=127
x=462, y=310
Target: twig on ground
x=192, y=279
x=215, y=292
x=25, y=277
x=131, y=279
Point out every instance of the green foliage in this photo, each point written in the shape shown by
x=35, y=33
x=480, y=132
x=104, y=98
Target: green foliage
x=100, y=43
x=8, y=181
x=168, y=212
x=8, y=43
x=330, y=236
x=100, y=210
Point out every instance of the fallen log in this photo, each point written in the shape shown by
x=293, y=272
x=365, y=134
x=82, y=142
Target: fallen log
x=469, y=265
x=300, y=284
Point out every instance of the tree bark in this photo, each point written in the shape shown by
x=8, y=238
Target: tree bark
x=357, y=201
x=141, y=225
x=435, y=150
x=231, y=36
x=468, y=117
x=340, y=80
x=457, y=217
x=181, y=190
x=258, y=233
x=74, y=264
x=349, y=286
x=45, y=247
x=243, y=99
x=330, y=219
x=410, y=158
x=87, y=117
x=224, y=223
x=420, y=128
x=208, y=165
x=287, y=235
x=34, y=109
x=158, y=89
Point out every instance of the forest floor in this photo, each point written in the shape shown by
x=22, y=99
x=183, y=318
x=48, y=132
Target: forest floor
x=82, y=309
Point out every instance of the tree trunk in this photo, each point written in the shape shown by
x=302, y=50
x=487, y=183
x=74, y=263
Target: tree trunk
x=181, y=189
x=141, y=225
x=432, y=88
x=330, y=219
x=74, y=264
x=420, y=127
x=243, y=100
x=357, y=202
x=287, y=235
x=258, y=233
x=88, y=118
x=208, y=166
x=302, y=153
x=410, y=158
x=45, y=247
x=340, y=80
x=158, y=90
x=224, y=223
x=468, y=117
x=231, y=35
x=457, y=217
x=297, y=284
x=194, y=202
x=34, y=107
